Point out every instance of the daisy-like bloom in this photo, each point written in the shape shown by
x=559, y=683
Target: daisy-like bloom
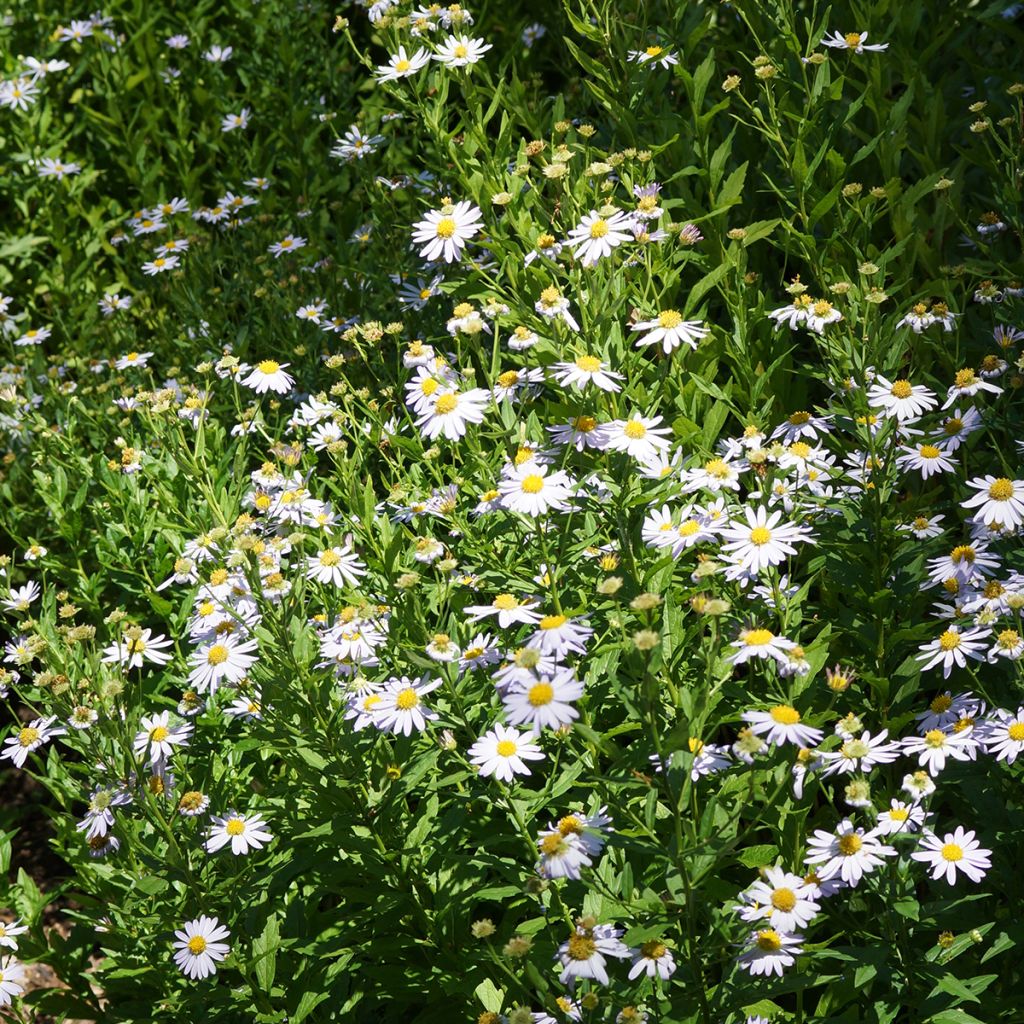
x=502, y=752
x=595, y=236
x=853, y=41
x=30, y=737
x=935, y=746
x=761, y=541
x=900, y=398
x=670, y=330
x=460, y=51
x=793, y=314
x=956, y=852
x=287, y=244
x=639, y=437
x=50, y=168
x=1009, y=644
x=900, y=819
x=9, y=933
x=561, y=856
x=160, y=738
x=861, y=754
x=1004, y=735
x=447, y=413
x=553, y=305
x=584, y=370
x=509, y=610
x=402, y=65
x=243, y=832
x=781, y=724
x=269, y=375
x=401, y=708
x=444, y=233
x=200, y=947
x=530, y=489
x=354, y=145
x=922, y=527
x=160, y=265
x=715, y=475
x=918, y=785
x=20, y=598
x=193, y=803
x=583, y=954
x=769, y=952
x=234, y=122
x=545, y=703
x=918, y=319
x=12, y=979
x=926, y=459
x=999, y=501
x=225, y=659
x=653, y=959
x=558, y=635
x=781, y=899
x=654, y=54
x=137, y=646
x=849, y=853
x=133, y=359
x=760, y=643
x=218, y=54
x=821, y=313
x=967, y=384
x=952, y=648
x=340, y=566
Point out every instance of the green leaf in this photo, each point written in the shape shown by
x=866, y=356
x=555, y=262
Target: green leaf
x=265, y=948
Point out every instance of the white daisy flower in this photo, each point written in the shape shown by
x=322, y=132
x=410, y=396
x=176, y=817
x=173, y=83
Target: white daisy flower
x=269, y=375
x=545, y=703
x=30, y=737
x=402, y=65
x=760, y=643
x=160, y=738
x=853, y=41
x=781, y=724
x=12, y=979
x=999, y=501
x=224, y=659
x=935, y=746
x=502, y=752
x=532, y=490
x=339, y=566
x=653, y=960
x=957, y=852
x=401, y=708
x=584, y=370
x=444, y=233
x=200, y=947
x=509, y=610
x=900, y=399
x=670, y=330
x=849, y=853
x=769, y=952
x=595, y=236
x=460, y=51
x=900, y=819
x=953, y=647
x=243, y=832
x=583, y=954
x=779, y=898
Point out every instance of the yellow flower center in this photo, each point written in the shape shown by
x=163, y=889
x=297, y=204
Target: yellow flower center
x=952, y=851
x=268, y=366
x=28, y=736
x=901, y=389
x=689, y=528
x=505, y=748
x=217, y=655
x=669, y=318
x=964, y=378
x=235, y=827
x=445, y=404
x=540, y=694
x=588, y=364
x=935, y=738
x=329, y=557
x=929, y=451
x=1016, y=732
x=533, y=483
x=584, y=424
x=758, y=637
x=508, y=379
x=159, y=734
x=899, y=814
x=653, y=950
x=402, y=65
x=769, y=940
x=552, y=621
x=460, y=51
x=782, y=713
x=634, y=430
x=1001, y=489
x=1008, y=639
x=197, y=945
x=552, y=844
x=581, y=947
x=822, y=308
x=962, y=553
x=505, y=602
x=599, y=228
x=717, y=468
x=653, y=51
x=849, y=844
x=852, y=40
x=445, y=227
x=854, y=749
x=760, y=535
x=949, y=640
x=784, y=900
x=407, y=699
x=801, y=449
